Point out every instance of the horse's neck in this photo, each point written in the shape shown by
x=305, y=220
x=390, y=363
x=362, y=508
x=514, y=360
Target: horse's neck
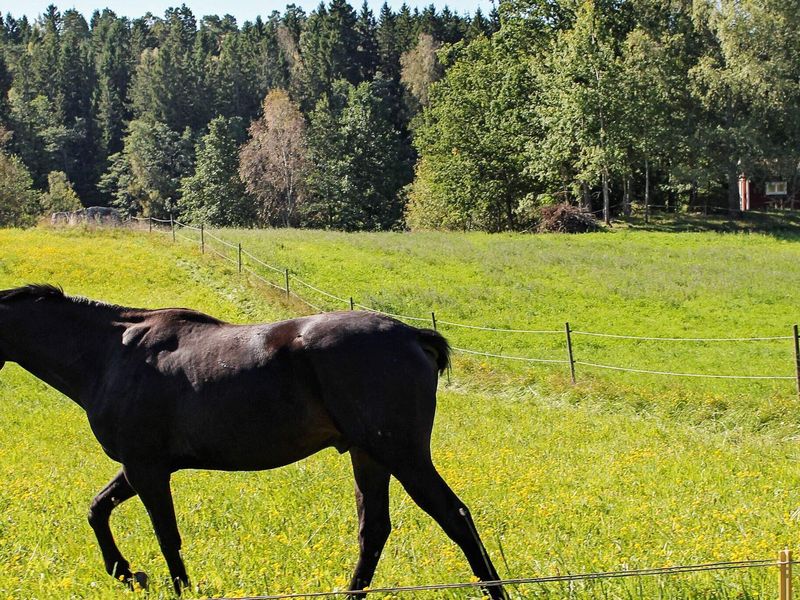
x=72, y=352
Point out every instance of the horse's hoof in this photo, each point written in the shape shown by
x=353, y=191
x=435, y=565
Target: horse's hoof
x=140, y=580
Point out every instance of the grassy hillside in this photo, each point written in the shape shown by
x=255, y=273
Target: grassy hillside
x=624, y=282
x=558, y=486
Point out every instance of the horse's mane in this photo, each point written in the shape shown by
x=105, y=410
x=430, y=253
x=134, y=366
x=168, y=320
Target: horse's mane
x=34, y=291
x=41, y=291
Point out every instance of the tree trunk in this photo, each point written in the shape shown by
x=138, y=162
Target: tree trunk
x=606, y=199
x=626, y=196
x=587, y=198
x=733, y=190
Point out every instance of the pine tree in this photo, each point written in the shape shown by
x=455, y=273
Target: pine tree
x=114, y=63
x=359, y=162
x=214, y=194
x=328, y=45
x=388, y=48
x=367, y=53
x=165, y=84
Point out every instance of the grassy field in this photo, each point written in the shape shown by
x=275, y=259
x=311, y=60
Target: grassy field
x=627, y=282
x=611, y=474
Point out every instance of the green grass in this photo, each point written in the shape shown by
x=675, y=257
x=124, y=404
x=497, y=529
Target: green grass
x=625, y=281
x=562, y=480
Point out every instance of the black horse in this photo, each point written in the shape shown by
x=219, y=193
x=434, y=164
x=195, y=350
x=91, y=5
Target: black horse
x=175, y=389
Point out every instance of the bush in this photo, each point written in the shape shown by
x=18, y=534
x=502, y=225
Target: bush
x=60, y=197
x=565, y=218
x=20, y=204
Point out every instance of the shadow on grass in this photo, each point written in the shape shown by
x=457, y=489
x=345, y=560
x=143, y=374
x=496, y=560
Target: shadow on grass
x=781, y=225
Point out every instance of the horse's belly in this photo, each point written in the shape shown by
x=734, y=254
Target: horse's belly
x=244, y=434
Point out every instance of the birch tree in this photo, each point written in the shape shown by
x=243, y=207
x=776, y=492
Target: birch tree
x=272, y=163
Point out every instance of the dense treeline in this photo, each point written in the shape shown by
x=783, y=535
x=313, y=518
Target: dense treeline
x=149, y=115
x=601, y=102
x=343, y=119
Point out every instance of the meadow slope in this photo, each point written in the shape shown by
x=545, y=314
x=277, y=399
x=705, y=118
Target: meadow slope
x=559, y=481
x=624, y=282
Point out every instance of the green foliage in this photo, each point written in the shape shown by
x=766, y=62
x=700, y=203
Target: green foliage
x=165, y=86
x=60, y=196
x=616, y=95
x=329, y=45
x=214, y=194
x=77, y=90
x=20, y=204
x=113, y=71
x=358, y=162
x=472, y=141
x=145, y=177
x=273, y=163
x=656, y=100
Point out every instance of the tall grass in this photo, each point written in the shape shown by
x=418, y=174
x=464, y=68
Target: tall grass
x=558, y=481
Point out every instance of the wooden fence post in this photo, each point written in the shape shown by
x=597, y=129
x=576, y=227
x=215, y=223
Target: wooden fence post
x=796, y=357
x=785, y=578
x=240, y=257
x=433, y=320
x=569, y=352
x=202, y=240
x=287, y=283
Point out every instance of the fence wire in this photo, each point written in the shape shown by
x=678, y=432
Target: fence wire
x=221, y=241
x=509, y=357
x=682, y=339
x=647, y=572
x=709, y=376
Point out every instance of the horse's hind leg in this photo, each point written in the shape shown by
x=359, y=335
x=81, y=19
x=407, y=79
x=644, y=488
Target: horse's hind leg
x=427, y=488
x=116, y=492
x=372, y=501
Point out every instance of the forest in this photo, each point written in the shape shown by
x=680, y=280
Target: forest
x=422, y=119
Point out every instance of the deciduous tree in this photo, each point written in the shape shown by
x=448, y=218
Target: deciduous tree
x=273, y=164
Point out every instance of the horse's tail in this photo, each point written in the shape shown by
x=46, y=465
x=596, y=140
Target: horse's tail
x=436, y=346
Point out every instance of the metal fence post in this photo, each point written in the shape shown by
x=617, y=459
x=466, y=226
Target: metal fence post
x=150, y=221
x=569, y=352
x=202, y=240
x=433, y=320
x=172, y=225
x=240, y=257
x=287, y=283
x=352, y=304
x=785, y=577
x=796, y=357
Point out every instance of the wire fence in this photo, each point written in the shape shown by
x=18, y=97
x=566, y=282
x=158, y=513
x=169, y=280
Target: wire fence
x=784, y=564
x=289, y=284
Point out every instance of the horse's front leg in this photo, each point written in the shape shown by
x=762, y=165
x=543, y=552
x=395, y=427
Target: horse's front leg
x=116, y=492
x=374, y=525
x=152, y=485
